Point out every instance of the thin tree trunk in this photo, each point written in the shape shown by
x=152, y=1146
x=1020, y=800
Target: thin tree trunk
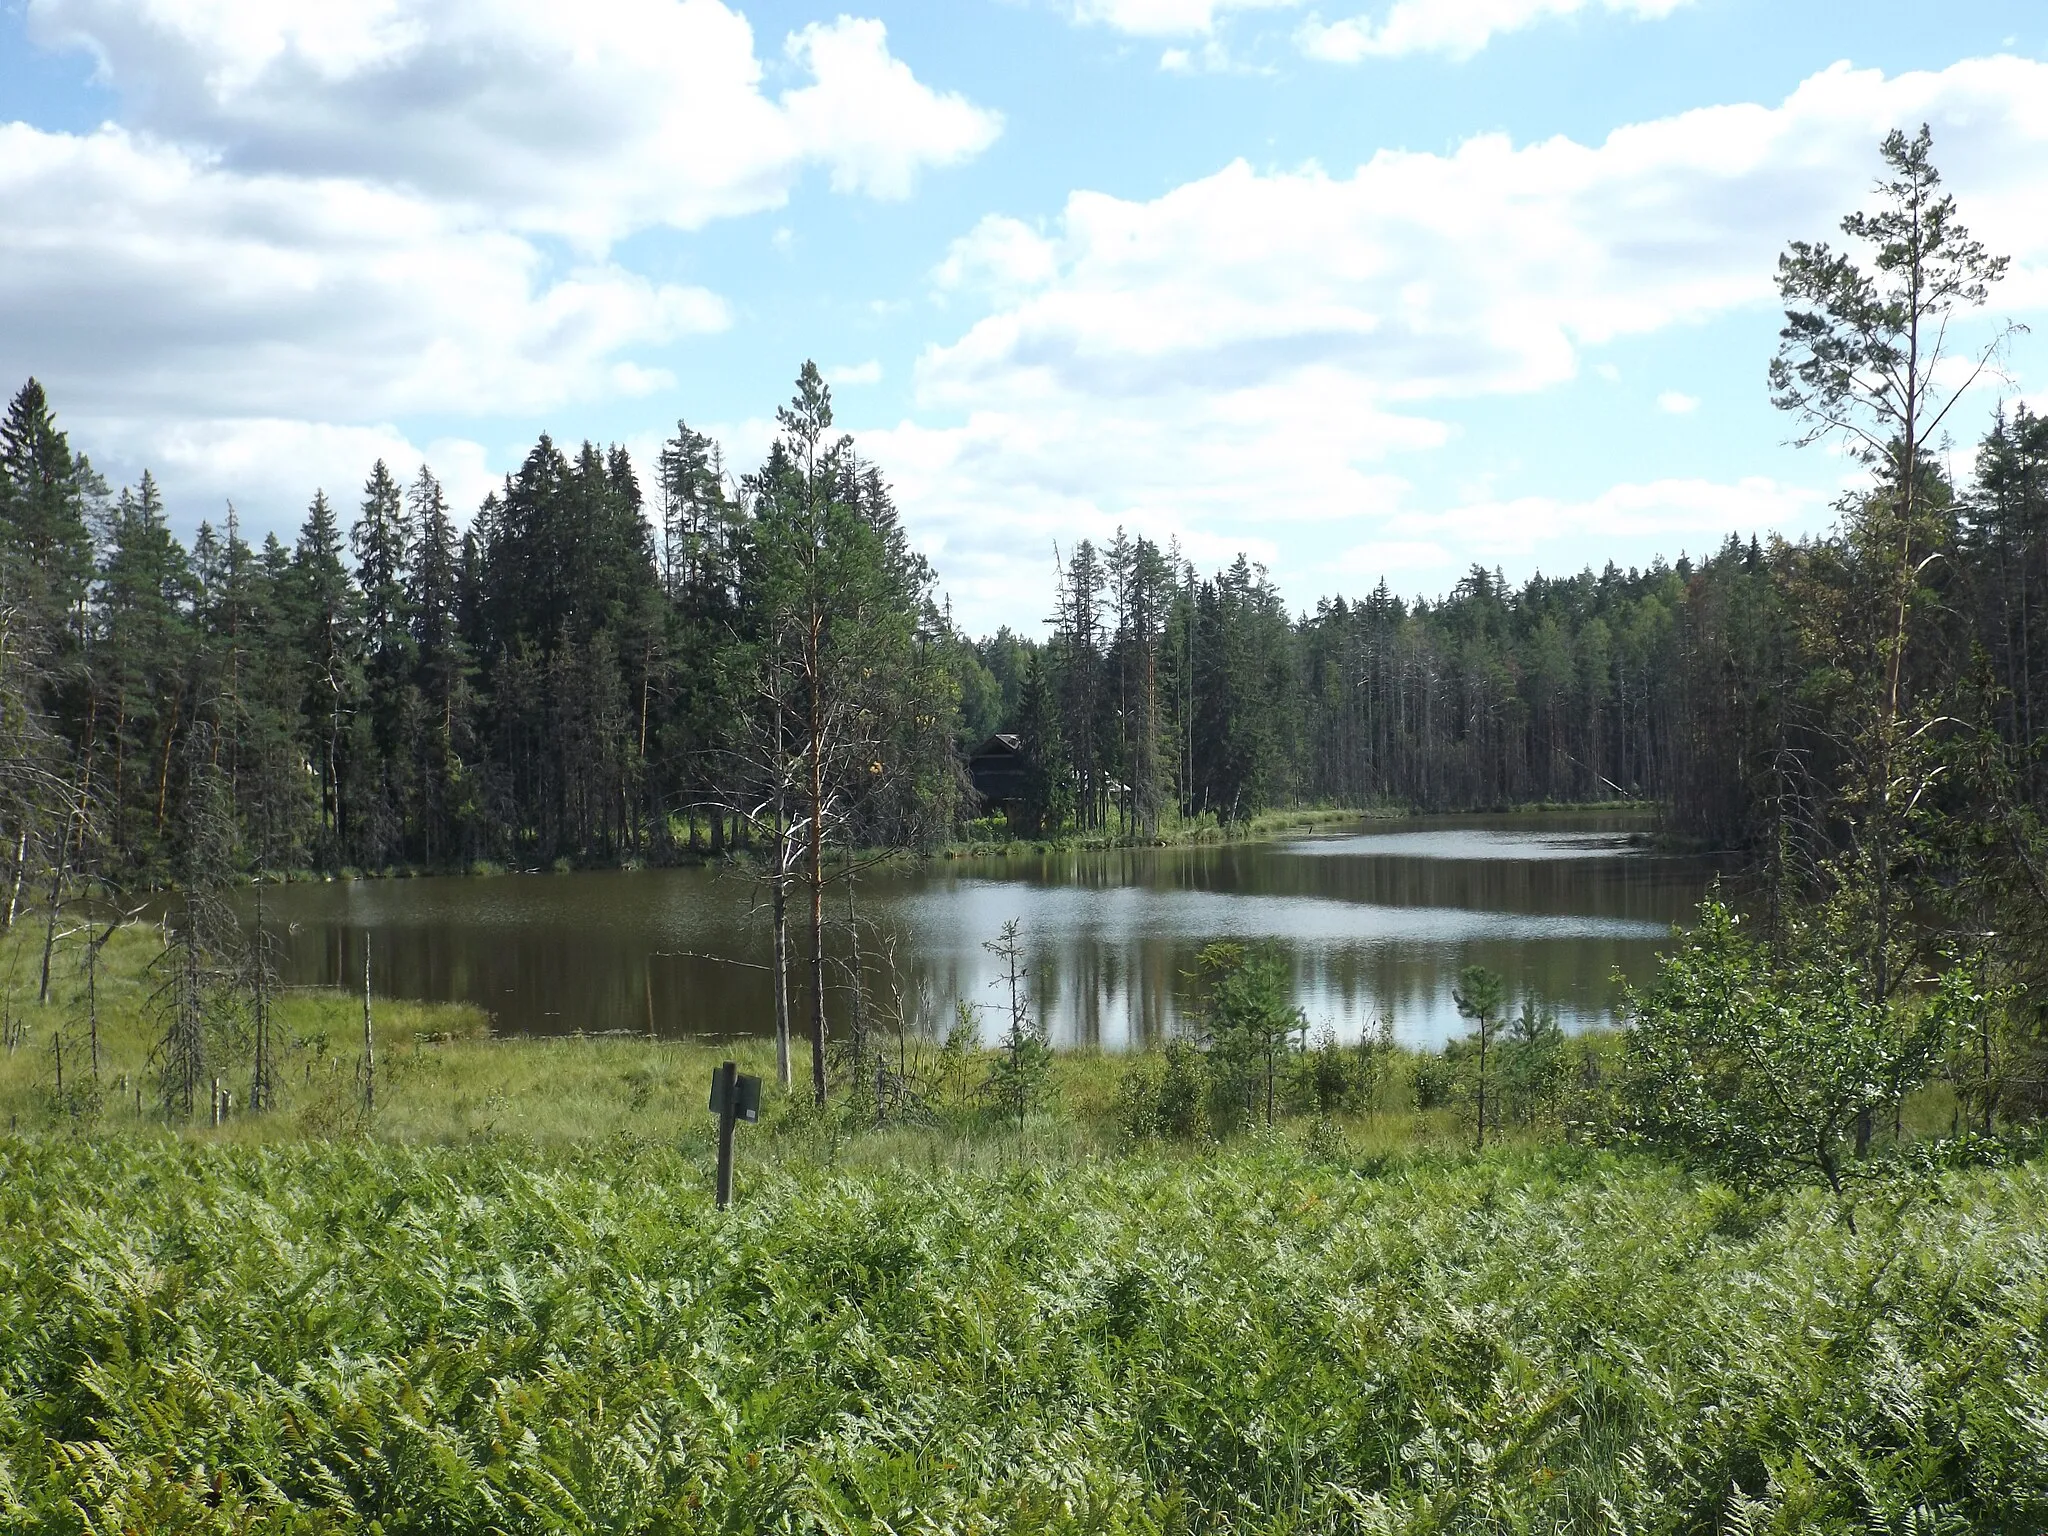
x=369, y=1038
x=1482, y=1084
x=780, y=900
x=817, y=882
x=50, y=927
x=20, y=870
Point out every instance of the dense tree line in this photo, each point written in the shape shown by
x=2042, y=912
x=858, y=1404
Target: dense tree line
x=589, y=669
x=572, y=675
x=578, y=674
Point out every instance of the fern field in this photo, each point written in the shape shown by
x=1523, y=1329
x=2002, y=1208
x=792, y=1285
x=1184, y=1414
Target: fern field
x=316, y=1337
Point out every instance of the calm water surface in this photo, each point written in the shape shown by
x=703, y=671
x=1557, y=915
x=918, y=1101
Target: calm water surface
x=1377, y=921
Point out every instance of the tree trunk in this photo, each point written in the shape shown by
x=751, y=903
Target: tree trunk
x=1482, y=1085
x=781, y=911
x=20, y=871
x=817, y=883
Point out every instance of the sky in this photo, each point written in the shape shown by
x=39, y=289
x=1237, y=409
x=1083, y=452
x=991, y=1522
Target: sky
x=1361, y=288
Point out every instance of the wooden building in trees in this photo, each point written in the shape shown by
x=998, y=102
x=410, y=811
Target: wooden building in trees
x=1000, y=770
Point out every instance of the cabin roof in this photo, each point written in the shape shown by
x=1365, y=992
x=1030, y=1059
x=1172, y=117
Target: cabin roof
x=1002, y=744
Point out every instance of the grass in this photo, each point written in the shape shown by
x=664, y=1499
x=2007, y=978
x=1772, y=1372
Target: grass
x=442, y=1077
x=993, y=836
x=508, y=1304
x=326, y=1337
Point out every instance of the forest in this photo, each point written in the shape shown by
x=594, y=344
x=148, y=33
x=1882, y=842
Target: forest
x=607, y=664
x=1766, y=1258
x=581, y=672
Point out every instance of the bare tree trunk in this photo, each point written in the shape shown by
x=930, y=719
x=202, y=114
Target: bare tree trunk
x=780, y=899
x=20, y=871
x=817, y=883
x=369, y=1037
x=56, y=901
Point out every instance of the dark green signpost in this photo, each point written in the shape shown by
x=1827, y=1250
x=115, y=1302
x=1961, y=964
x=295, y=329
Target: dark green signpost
x=733, y=1098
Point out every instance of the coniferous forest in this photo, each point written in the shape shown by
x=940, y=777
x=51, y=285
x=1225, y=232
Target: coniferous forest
x=581, y=671
x=1766, y=1257
x=599, y=664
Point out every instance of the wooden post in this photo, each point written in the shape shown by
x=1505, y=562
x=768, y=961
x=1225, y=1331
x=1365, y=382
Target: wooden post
x=369, y=1037
x=728, y=1116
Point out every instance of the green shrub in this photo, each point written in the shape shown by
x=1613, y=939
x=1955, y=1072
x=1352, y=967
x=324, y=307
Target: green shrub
x=1436, y=1079
x=1166, y=1096
x=1327, y=1077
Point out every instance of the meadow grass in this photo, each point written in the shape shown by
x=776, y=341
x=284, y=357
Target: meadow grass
x=508, y=1303
x=1266, y=1337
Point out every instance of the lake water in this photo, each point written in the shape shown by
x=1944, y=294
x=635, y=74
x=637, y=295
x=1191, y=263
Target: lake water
x=1376, y=919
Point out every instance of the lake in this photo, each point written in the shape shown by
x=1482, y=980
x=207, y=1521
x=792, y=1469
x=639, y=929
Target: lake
x=1377, y=920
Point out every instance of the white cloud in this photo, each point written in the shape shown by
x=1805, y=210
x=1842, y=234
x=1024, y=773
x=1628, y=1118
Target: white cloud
x=269, y=467
x=320, y=217
x=1257, y=347
x=854, y=374
x=144, y=279
x=1654, y=516
x=1675, y=403
x=1456, y=29
x=150, y=279
x=1425, y=550
x=1001, y=257
x=870, y=119
x=588, y=121
x=1166, y=18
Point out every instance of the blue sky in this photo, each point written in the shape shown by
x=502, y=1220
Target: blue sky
x=1365, y=287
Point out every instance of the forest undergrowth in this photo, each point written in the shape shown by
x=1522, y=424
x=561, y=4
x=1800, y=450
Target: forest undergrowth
x=506, y=1301
x=1281, y=1335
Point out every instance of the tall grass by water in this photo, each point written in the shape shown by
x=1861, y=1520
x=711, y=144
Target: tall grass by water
x=504, y=1301
x=1268, y=1338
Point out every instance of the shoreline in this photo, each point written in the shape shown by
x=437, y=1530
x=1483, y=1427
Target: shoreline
x=1265, y=826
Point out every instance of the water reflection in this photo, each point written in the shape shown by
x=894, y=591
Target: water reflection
x=1378, y=922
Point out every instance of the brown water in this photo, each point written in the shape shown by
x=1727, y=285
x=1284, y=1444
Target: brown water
x=1377, y=920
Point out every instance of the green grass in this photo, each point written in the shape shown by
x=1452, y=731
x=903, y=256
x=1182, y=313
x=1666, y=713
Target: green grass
x=992, y=836
x=507, y=1303
x=365, y=1337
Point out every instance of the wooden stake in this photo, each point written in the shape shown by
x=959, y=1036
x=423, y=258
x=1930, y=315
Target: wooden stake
x=728, y=1116
x=369, y=1037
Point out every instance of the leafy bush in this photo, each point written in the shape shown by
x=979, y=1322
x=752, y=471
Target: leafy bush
x=1252, y=1026
x=1436, y=1078
x=1327, y=1077
x=1535, y=1069
x=1166, y=1097
x=1757, y=1070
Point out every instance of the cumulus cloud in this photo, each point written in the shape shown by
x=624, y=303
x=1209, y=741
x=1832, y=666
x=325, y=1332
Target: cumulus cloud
x=1656, y=515
x=1456, y=29
x=1453, y=28
x=587, y=121
x=144, y=279
x=1167, y=18
x=1677, y=403
x=1424, y=550
x=1262, y=346
x=844, y=375
x=319, y=217
x=269, y=467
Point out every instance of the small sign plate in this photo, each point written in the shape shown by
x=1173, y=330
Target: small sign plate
x=746, y=1097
